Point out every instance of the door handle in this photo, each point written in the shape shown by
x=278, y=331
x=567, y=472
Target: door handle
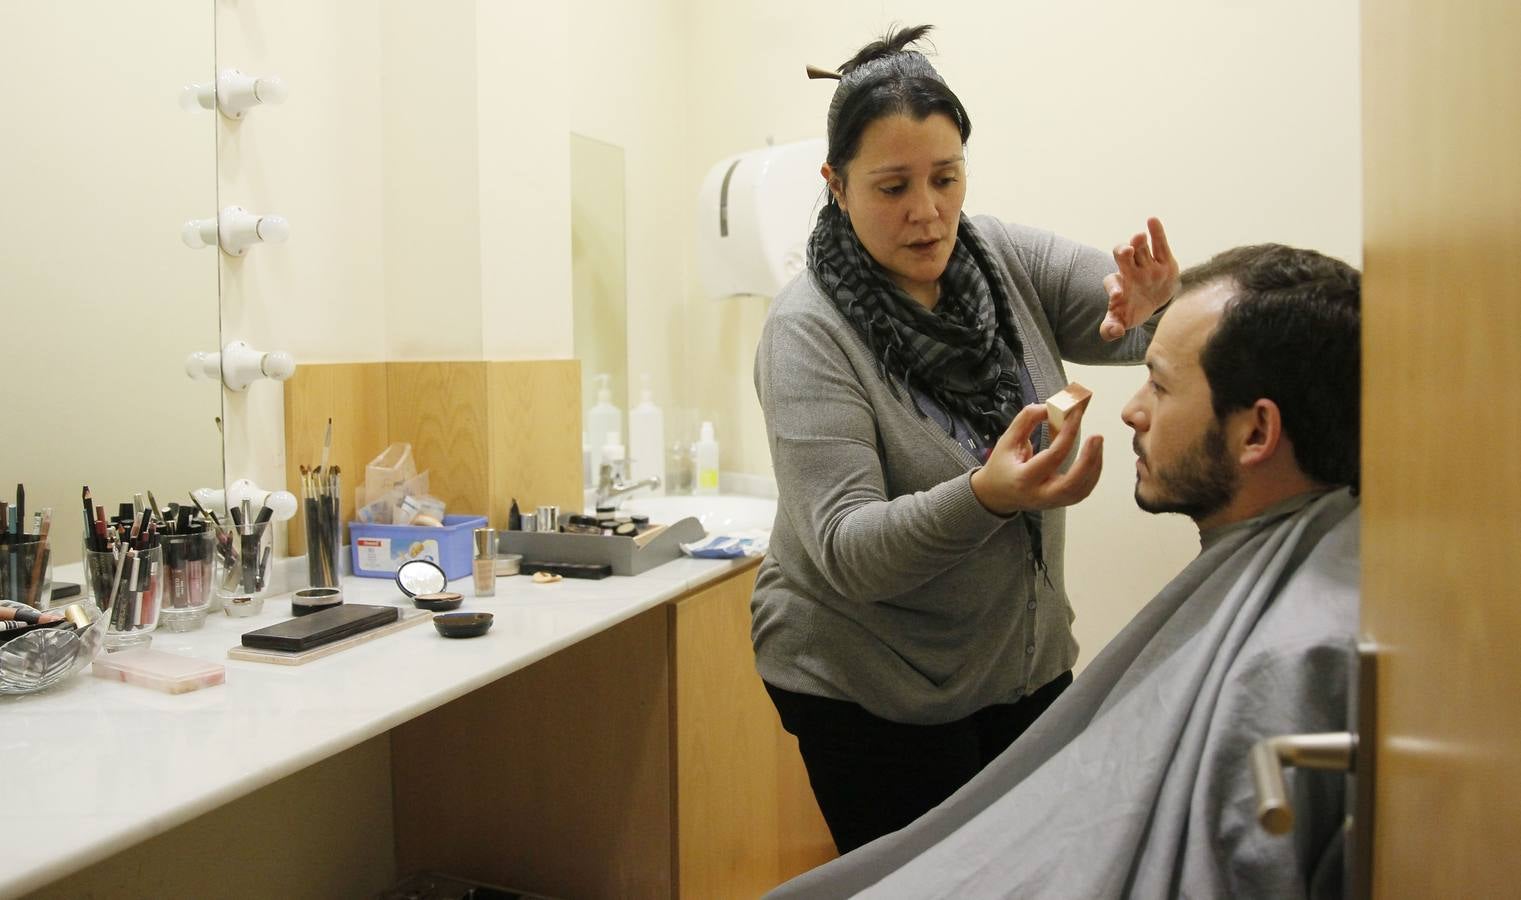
x=1334, y=752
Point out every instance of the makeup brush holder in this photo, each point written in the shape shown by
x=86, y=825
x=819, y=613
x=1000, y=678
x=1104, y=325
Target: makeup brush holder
x=26, y=573
x=127, y=588
x=243, y=554
x=189, y=571
x=39, y=658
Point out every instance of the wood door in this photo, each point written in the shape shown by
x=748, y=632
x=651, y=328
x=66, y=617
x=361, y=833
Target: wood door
x=1442, y=440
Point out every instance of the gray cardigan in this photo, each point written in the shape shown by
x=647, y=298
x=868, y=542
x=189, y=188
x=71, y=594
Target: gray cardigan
x=887, y=583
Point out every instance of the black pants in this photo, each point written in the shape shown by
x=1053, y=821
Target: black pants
x=872, y=776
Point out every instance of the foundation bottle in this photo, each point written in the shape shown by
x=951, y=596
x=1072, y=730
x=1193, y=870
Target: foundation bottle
x=485, y=562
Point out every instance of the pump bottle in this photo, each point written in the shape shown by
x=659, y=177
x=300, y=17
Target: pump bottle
x=707, y=462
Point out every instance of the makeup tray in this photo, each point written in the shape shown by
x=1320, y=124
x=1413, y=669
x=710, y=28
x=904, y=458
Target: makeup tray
x=625, y=554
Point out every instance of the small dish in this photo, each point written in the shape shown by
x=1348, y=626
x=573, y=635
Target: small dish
x=462, y=624
x=509, y=564
x=242, y=606
x=439, y=601
x=310, y=600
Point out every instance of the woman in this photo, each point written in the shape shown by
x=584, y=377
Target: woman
x=910, y=620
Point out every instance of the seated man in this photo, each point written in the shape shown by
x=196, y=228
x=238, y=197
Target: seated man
x=1136, y=781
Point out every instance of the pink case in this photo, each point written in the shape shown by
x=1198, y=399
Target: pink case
x=167, y=672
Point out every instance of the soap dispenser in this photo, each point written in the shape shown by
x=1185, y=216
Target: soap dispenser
x=646, y=438
x=707, y=462
x=602, y=418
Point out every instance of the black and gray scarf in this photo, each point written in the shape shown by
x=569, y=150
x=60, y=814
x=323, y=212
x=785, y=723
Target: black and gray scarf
x=964, y=354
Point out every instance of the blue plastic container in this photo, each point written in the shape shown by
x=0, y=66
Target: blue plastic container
x=378, y=550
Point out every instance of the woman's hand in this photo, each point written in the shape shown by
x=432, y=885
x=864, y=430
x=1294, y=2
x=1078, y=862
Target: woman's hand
x=1147, y=279
x=1015, y=477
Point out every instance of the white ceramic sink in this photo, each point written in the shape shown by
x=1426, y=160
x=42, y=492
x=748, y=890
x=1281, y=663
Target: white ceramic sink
x=718, y=513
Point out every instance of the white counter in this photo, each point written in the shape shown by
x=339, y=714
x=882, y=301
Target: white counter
x=116, y=764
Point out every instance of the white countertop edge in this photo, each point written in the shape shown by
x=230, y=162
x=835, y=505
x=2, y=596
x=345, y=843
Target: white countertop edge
x=53, y=862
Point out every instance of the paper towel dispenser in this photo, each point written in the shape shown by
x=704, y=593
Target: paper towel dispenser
x=755, y=212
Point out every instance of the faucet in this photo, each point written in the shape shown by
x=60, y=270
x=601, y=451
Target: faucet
x=610, y=484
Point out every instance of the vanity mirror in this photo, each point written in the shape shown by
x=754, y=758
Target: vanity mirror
x=99, y=167
x=598, y=266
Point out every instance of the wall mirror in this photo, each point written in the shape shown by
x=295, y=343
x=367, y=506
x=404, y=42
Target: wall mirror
x=99, y=168
x=598, y=271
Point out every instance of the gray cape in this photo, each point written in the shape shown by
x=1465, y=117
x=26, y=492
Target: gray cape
x=1135, y=783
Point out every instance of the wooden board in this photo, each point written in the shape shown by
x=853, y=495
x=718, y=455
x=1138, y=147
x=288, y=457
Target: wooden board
x=554, y=779
x=535, y=438
x=440, y=409
x=409, y=617
x=1441, y=424
x=354, y=395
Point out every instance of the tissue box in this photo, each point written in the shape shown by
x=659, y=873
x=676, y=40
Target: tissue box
x=378, y=550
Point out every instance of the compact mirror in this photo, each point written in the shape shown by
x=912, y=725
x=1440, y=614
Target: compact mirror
x=421, y=576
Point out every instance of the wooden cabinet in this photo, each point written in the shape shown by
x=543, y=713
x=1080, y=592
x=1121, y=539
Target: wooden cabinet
x=644, y=761
x=745, y=816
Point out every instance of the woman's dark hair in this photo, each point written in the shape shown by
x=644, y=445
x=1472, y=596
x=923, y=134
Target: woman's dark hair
x=884, y=79
x=1292, y=333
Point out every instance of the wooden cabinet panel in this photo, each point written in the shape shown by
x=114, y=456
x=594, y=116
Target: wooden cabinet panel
x=645, y=761
x=554, y=779
x=745, y=816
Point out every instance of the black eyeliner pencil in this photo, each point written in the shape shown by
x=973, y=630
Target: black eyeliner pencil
x=89, y=520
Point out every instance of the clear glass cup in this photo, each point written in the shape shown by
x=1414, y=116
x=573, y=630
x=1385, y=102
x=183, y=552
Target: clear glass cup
x=189, y=574
x=126, y=586
x=323, y=540
x=26, y=574
x=243, y=555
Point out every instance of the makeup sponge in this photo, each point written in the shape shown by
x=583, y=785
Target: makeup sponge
x=1065, y=402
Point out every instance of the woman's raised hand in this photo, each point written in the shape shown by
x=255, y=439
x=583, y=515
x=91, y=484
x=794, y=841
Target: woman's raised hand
x=1146, y=280
x=1016, y=478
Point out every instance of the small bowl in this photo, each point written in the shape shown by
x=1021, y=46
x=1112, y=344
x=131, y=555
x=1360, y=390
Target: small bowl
x=439, y=601
x=243, y=606
x=462, y=625
x=310, y=600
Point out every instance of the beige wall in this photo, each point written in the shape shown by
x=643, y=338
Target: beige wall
x=1233, y=122
x=100, y=302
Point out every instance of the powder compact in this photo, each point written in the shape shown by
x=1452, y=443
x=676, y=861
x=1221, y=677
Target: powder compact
x=438, y=601
x=310, y=600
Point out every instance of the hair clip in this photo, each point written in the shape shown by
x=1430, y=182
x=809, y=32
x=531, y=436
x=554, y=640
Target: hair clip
x=816, y=72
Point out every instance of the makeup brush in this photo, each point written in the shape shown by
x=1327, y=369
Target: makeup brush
x=89, y=519
x=206, y=513
x=157, y=512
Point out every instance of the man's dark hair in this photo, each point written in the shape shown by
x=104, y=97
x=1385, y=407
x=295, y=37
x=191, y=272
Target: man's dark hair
x=1291, y=333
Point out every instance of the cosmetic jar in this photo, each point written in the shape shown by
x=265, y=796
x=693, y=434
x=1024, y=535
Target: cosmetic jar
x=241, y=606
x=310, y=600
x=548, y=518
x=462, y=624
x=441, y=601
x=509, y=564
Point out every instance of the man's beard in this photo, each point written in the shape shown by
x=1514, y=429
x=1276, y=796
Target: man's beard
x=1198, y=485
